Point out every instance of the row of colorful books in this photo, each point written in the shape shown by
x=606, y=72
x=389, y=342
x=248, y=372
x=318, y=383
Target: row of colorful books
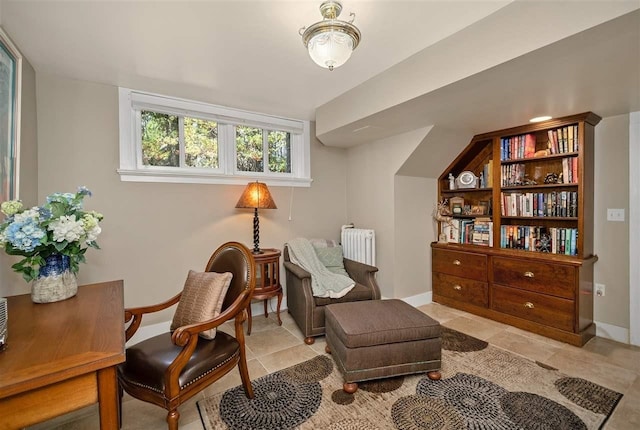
x=512, y=175
x=553, y=204
x=553, y=240
x=515, y=147
x=570, y=170
x=560, y=141
x=478, y=231
x=563, y=140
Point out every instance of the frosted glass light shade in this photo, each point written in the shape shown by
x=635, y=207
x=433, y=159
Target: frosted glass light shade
x=331, y=41
x=330, y=49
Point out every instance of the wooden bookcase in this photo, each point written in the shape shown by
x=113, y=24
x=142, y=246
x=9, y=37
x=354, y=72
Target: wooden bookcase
x=520, y=245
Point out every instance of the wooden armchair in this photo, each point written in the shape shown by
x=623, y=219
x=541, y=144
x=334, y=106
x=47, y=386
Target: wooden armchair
x=307, y=310
x=170, y=368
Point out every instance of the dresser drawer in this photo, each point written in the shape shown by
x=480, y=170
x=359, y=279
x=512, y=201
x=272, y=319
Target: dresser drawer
x=539, y=308
x=555, y=279
x=457, y=263
x=461, y=289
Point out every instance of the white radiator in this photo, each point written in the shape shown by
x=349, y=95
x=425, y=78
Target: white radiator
x=359, y=244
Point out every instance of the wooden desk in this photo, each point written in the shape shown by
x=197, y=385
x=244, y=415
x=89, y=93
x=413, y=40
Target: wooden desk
x=62, y=356
x=267, y=281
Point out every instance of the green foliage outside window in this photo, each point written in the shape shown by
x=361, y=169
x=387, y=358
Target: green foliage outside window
x=160, y=144
x=250, y=150
x=200, y=143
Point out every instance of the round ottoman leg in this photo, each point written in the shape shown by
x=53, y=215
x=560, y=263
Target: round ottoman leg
x=434, y=376
x=350, y=387
x=309, y=340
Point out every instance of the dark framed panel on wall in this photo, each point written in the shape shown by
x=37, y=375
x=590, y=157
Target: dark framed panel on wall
x=10, y=88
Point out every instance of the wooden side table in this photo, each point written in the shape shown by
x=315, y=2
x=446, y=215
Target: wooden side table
x=267, y=281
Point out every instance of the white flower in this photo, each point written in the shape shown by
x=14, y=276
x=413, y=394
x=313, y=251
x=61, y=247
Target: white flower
x=29, y=213
x=92, y=234
x=66, y=228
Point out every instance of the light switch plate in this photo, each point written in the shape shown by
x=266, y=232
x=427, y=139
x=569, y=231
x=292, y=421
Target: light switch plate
x=615, y=215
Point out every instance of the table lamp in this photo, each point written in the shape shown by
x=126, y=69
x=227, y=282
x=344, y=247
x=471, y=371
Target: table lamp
x=256, y=195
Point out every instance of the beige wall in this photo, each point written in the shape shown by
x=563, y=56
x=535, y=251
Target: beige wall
x=414, y=231
x=154, y=233
x=10, y=282
x=371, y=171
x=611, y=239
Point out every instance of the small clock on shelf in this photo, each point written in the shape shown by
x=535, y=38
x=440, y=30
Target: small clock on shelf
x=466, y=179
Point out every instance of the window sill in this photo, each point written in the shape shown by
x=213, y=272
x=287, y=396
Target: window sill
x=203, y=178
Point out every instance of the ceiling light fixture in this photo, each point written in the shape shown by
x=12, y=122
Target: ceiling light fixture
x=331, y=41
x=540, y=118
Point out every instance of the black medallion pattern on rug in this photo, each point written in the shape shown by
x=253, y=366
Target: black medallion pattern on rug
x=475, y=399
x=453, y=340
x=282, y=400
x=530, y=411
x=593, y=397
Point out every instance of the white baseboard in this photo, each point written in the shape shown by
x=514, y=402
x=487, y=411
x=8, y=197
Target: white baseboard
x=612, y=332
x=148, y=331
x=419, y=299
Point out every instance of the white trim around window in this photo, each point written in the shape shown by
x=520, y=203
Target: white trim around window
x=132, y=102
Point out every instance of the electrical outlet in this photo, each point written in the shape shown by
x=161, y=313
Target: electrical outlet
x=615, y=215
x=599, y=290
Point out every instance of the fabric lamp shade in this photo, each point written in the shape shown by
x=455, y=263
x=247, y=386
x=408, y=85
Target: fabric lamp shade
x=256, y=195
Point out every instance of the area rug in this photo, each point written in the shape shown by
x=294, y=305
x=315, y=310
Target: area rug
x=482, y=387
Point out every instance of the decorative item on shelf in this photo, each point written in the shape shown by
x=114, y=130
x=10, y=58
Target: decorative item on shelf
x=331, y=41
x=455, y=205
x=53, y=238
x=256, y=195
x=442, y=214
x=544, y=243
x=541, y=153
x=466, y=210
x=553, y=178
x=452, y=182
x=466, y=180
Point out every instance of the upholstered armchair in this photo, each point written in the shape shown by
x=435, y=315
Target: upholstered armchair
x=307, y=310
x=170, y=368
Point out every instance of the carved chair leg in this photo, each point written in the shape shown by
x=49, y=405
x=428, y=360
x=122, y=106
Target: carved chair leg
x=244, y=375
x=309, y=340
x=172, y=419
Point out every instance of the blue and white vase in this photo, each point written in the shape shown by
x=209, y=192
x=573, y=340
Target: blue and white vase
x=55, y=281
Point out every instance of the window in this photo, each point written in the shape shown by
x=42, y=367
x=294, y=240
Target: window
x=164, y=139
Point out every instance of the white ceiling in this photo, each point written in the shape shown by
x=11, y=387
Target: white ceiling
x=244, y=54
x=249, y=55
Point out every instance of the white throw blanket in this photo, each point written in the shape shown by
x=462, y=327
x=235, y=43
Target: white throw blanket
x=324, y=283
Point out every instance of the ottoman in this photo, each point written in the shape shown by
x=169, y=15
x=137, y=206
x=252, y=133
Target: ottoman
x=381, y=338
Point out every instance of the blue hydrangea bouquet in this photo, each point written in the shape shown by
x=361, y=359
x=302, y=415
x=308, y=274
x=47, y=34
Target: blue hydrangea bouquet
x=58, y=229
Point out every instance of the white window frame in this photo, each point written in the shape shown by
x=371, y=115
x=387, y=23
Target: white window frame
x=132, y=102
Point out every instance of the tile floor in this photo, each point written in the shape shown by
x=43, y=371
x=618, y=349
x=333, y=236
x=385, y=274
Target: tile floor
x=271, y=347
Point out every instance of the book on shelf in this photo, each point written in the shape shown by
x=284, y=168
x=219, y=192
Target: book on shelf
x=552, y=240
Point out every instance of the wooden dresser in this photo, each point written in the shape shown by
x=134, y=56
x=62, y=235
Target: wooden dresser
x=534, y=294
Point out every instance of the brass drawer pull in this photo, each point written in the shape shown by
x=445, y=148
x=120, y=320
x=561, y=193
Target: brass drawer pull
x=457, y=287
x=529, y=305
x=456, y=262
x=528, y=274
